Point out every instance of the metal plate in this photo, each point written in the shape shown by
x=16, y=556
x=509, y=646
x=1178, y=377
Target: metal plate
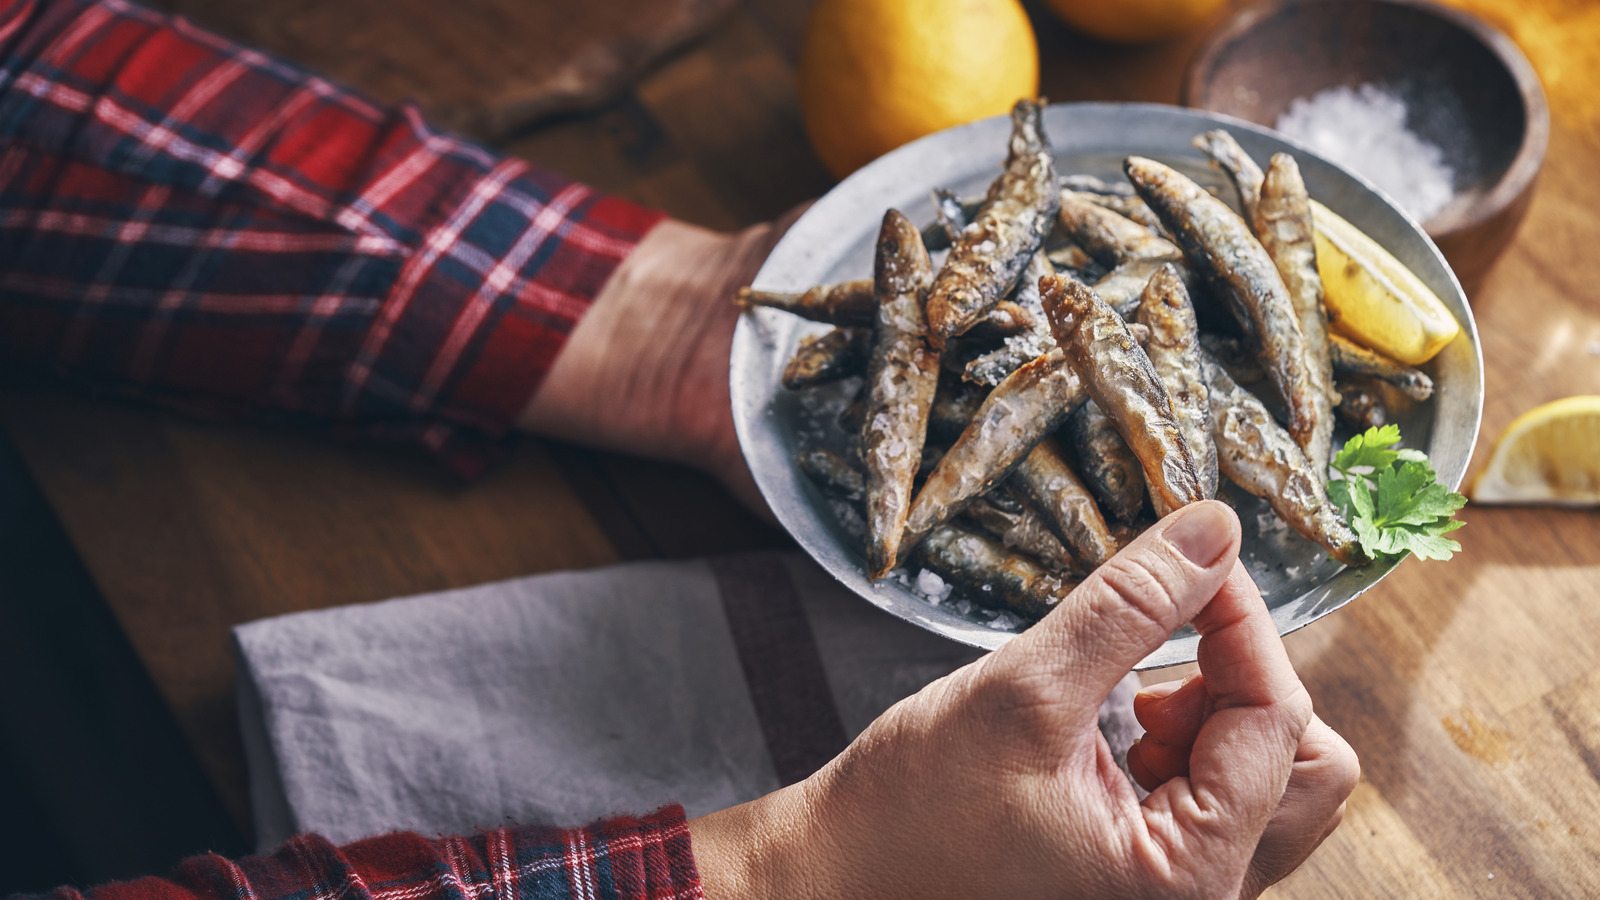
x=833, y=241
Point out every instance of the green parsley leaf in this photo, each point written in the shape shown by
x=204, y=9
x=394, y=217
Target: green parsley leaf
x=1392, y=497
x=1369, y=452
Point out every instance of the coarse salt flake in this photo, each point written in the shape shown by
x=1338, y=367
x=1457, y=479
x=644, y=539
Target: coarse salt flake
x=1365, y=128
x=932, y=586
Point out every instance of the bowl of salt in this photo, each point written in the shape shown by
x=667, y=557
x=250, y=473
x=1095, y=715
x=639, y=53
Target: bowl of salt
x=1435, y=108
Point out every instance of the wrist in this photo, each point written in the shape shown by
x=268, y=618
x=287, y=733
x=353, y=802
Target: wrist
x=645, y=370
x=761, y=849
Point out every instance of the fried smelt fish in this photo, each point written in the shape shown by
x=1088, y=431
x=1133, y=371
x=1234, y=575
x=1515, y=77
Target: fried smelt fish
x=1247, y=176
x=992, y=575
x=1283, y=224
x=1017, y=414
x=1256, y=453
x=1118, y=375
x=902, y=377
x=834, y=474
x=1127, y=205
x=1223, y=248
x=843, y=303
x=1019, y=528
x=1174, y=351
x=1360, y=407
x=850, y=304
x=1122, y=286
x=1049, y=483
x=1350, y=358
x=991, y=368
x=991, y=253
x=1109, y=468
x=986, y=569
x=1094, y=184
x=1007, y=319
x=837, y=354
x=1109, y=238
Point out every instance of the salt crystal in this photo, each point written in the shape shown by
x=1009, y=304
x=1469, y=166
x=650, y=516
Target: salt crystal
x=1365, y=129
x=932, y=586
x=1005, y=621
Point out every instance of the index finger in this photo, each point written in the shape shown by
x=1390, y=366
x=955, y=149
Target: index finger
x=1243, y=755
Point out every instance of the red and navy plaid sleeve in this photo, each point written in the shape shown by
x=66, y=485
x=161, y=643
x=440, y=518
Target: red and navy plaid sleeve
x=194, y=222
x=616, y=859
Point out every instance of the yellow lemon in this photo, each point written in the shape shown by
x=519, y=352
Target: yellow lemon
x=875, y=74
x=1134, y=21
x=1549, y=455
x=1373, y=299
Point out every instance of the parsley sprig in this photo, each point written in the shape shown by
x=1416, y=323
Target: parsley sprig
x=1392, y=498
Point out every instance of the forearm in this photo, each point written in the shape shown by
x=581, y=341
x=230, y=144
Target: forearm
x=656, y=340
x=185, y=221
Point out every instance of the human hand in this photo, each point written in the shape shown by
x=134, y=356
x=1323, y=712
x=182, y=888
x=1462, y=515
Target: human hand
x=995, y=781
x=646, y=370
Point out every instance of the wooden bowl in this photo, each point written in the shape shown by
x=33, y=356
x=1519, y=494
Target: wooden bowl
x=1467, y=89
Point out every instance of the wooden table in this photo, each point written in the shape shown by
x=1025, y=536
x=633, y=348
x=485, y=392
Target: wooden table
x=1471, y=689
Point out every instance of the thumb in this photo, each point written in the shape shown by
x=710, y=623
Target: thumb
x=1130, y=605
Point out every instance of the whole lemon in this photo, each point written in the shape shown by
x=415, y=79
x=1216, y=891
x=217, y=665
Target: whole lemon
x=875, y=74
x=1134, y=21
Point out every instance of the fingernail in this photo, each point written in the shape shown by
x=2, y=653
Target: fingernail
x=1203, y=532
x=1157, y=691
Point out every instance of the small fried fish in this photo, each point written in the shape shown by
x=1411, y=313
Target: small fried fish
x=1120, y=378
x=1016, y=416
x=1019, y=527
x=1283, y=224
x=902, y=377
x=1225, y=250
x=1108, y=466
x=985, y=569
x=1350, y=358
x=991, y=253
x=828, y=357
x=1231, y=158
x=991, y=574
x=1051, y=486
x=1360, y=405
x=844, y=303
x=1256, y=453
x=1109, y=238
x=1174, y=351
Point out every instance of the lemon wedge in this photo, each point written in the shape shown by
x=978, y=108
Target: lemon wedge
x=1549, y=455
x=1373, y=299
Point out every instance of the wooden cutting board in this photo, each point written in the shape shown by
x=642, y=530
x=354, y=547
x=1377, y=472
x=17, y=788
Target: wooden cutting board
x=486, y=68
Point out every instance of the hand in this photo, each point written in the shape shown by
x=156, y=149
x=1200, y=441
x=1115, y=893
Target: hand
x=646, y=370
x=995, y=782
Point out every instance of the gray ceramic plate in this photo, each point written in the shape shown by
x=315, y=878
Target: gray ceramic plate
x=833, y=241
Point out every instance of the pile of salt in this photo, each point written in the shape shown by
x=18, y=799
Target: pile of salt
x=1365, y=129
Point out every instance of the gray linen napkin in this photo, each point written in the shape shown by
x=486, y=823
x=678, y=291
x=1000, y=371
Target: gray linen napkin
x=562, y=698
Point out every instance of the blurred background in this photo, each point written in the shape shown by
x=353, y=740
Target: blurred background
x=691, y=106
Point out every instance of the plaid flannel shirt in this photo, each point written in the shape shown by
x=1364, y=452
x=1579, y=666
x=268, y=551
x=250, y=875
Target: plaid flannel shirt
x=193, y=222
x=618, y=859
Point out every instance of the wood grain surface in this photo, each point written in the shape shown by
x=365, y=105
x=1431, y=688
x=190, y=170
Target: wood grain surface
x=1471, y=689
x=483, y=67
